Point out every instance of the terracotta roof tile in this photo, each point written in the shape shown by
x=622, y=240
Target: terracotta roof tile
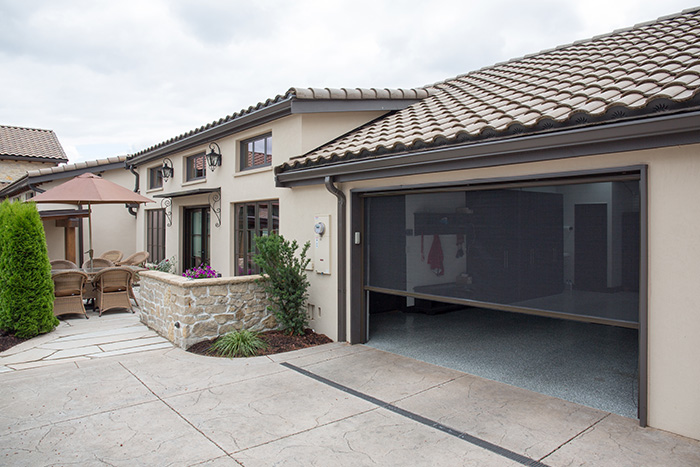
x=30, y=143
x=613, y=76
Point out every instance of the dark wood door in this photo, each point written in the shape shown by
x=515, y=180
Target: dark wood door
x=196, y=237
x=591, y=247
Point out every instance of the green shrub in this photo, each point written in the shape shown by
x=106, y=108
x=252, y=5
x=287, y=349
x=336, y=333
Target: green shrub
x=286, y=283
x=241, y=343
x=26, y=295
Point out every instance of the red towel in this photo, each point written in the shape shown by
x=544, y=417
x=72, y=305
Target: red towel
x=435, y=257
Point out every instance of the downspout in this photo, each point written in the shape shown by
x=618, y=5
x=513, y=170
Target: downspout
x=342, y=260
x=133, y=207
x=35, y=188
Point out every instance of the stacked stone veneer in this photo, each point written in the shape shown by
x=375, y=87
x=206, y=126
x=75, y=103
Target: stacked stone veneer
x=187, y=311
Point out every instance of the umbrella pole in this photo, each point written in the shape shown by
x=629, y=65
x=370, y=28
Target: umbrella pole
x=90, y=252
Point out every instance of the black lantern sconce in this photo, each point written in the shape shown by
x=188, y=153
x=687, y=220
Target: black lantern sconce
x=167, y=169
x=214, y=156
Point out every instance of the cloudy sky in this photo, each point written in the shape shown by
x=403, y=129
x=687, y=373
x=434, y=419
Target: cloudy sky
x=114, y=77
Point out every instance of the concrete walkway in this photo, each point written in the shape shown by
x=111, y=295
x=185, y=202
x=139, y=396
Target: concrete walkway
x=329, y=405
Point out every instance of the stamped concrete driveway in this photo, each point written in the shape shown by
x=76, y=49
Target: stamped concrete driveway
x=329, y=405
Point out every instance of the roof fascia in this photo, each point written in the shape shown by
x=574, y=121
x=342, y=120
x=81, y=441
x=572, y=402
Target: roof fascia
x=302, y=106
x=22, y=184
x=648, y=133
x=10, y=157
x=264, y=115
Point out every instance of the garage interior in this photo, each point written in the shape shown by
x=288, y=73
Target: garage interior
x=531, y=283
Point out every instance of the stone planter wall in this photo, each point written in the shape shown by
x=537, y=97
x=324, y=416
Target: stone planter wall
x=188, y=311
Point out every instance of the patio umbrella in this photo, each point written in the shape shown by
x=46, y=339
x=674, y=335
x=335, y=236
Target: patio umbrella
x=90, y=189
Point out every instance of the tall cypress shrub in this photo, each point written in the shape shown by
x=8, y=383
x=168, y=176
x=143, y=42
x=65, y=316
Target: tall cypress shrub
x=26, y=296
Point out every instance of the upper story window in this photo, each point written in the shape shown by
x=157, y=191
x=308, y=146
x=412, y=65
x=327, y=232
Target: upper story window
x=155, y=178
x=196, y=167
x=256, y=152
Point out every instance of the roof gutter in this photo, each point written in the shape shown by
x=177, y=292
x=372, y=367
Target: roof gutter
x=648, y=133
x=342, y=258
x=273, y=112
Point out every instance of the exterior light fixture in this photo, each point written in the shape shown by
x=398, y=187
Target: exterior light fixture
x=167, y=169
x=214, y=156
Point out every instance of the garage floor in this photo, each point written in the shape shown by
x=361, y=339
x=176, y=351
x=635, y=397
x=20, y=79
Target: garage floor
x=589, y=364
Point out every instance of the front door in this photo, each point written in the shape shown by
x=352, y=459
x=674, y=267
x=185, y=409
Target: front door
x=196, y=247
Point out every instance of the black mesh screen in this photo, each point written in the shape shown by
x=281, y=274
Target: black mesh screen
x=570, y=249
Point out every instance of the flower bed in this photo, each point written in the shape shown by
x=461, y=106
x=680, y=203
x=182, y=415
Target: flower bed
x=188, y=311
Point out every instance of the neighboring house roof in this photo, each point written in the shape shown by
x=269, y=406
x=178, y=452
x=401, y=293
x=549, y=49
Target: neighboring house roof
x=649, y=69
x=30, y=144
x=47, y=174
x=295, y=100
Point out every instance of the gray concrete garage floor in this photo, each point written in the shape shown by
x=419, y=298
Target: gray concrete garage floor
x=328, y=405
x=589, y=364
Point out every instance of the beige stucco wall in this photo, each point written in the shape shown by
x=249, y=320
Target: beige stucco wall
x=12, y=170
x=674, y=266
x=291, y=136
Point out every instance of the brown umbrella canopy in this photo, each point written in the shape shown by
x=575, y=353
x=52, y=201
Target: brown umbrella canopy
x=90, y=189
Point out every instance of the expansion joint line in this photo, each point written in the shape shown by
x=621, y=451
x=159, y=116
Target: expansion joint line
x=494, y=448
x=178, y=413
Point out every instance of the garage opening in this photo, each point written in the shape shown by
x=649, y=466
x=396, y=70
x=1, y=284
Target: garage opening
x=532, y=283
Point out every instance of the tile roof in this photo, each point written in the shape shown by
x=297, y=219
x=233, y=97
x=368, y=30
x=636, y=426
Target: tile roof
x=650, y=68
x=97, y=164
x=59, y=172
x=340, y=94
x=30, y=143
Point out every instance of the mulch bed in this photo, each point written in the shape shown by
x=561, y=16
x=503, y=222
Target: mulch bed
x=8, y=340
x=277, y=342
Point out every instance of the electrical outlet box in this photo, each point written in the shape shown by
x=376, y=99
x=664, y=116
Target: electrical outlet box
x=322, y=244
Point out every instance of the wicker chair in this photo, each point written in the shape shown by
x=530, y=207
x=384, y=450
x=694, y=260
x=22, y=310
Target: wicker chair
x=113, y=255
x=63, y=264
x=137, y=259
x=98, y=263
x=68, y=292
x=112, y=286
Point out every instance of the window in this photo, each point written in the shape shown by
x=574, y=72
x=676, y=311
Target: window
x=253, y=219
x=155, y=178
x=256, y=152
x=196, y=167
x=155, y=234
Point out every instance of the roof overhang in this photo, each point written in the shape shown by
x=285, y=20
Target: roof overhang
x=268, y=114
x=63, y=214
x=647, y=133
x=14, y=157
x=180, y=194
x=27, y=182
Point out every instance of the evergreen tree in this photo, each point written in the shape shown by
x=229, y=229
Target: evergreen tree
x=26, y=295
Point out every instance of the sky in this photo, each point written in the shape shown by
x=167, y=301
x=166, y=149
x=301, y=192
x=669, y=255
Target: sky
x=115, y=77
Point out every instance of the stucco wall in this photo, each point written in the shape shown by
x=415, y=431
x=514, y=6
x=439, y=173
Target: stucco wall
x=291, y=136
x=674, y=265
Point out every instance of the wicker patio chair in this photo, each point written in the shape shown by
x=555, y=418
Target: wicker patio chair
x=63, y=264
x=112, y=286
x=98, y=263
x=137, y=259
x=68, y=292
x=113, y=255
